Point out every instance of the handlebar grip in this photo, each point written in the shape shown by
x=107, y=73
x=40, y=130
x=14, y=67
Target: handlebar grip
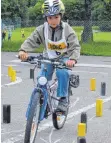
x=17, y=56
x=30, y=58
x=64, y=64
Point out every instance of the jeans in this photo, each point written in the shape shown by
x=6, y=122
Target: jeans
x=63, y=80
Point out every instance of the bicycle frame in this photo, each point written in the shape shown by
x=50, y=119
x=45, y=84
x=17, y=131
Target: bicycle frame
x=45, y=91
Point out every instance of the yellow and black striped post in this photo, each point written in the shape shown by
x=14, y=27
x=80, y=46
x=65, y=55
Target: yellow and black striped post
x=81, y=133
x=84, y=118
x=81, y=140
x=81, y=130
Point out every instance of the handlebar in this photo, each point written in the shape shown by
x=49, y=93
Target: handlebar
x=40, y=59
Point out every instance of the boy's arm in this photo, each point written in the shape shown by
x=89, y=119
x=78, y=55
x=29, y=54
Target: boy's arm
x=33, y=41
x=73, y=44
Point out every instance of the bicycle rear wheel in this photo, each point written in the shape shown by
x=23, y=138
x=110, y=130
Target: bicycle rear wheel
x=32, y=121
x=59, y=118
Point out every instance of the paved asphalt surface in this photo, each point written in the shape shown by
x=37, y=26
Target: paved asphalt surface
x=17, y=95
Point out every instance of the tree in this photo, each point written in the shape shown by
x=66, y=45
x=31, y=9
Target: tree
x=105, y=17
x=87, y=34
x=4, y=5
x=33, y=2
x=73, y=10
x=35, y=12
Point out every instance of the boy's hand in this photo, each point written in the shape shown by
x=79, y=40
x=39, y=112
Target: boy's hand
x=23, y=55
x=70, y=63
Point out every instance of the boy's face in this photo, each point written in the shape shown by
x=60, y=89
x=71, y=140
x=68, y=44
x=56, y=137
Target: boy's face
x=53, y=21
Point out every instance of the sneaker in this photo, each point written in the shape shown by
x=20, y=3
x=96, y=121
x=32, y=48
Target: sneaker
x=63, y=104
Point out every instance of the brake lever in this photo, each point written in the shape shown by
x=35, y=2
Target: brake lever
x=63, y=66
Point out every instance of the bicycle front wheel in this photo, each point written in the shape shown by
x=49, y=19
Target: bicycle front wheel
x=33, y=120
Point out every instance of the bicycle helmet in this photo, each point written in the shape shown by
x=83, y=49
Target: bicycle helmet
x=53, y=7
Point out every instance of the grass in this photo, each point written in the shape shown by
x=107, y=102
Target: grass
x=78, y=29
x=102, y=36
x=100, y=47
x=96, y=49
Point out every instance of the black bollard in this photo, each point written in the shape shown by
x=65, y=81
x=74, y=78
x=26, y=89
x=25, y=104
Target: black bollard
x=31, y=73
x=81, y=140
x=6, y=113
x=84, y=119
x=103, y=88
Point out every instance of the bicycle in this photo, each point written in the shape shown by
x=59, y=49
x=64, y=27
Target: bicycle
x=44, y=101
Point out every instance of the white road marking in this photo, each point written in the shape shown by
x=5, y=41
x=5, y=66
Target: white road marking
x=70, y=115
x=13, y=132
x=103, y=73
x=91, y=118
x=93, y=65
x=50, y=138
x=57, y=141
x=51, y=135
x=18, y=80
x=3, y=75
x=19, y=62
x=16, y=61
x=43, y=140
x=72, y=105
x=10, y=65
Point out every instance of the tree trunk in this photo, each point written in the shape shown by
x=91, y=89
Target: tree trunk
x=87, y=35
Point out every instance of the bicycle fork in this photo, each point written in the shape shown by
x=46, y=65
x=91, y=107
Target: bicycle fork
x=43, y=104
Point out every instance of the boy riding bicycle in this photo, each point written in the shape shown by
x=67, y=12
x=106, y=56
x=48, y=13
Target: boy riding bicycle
x=58, y=38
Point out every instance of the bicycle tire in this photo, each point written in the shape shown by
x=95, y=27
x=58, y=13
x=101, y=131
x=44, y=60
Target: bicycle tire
x=56, y=121
x=33, y=113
